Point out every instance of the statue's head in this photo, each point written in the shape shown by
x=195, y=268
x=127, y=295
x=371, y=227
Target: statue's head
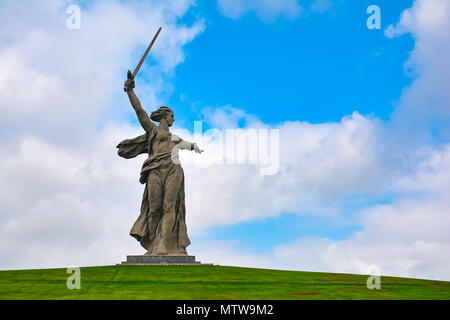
x=163, y=113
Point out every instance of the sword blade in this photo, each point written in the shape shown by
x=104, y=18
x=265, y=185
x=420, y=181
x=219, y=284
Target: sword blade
x=146, y=53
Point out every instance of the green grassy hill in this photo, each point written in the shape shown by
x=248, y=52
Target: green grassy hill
x=209, y=282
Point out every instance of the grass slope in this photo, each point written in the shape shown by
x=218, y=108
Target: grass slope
x=209, y=282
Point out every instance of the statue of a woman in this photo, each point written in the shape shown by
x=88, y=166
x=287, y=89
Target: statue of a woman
x=161, y=226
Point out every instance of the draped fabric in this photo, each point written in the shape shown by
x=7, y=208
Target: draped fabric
x=131, y=148
x=161, y=225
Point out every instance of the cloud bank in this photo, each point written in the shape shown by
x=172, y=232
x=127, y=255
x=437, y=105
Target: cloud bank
x=424, y=104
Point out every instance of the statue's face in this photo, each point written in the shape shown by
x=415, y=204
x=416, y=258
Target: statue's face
x=170, y=119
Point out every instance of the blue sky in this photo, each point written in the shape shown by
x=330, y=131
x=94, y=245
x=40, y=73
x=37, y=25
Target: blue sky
x=363, y=120
x=316, y=68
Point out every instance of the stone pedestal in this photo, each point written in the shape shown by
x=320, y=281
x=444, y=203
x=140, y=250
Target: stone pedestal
x=160, y=260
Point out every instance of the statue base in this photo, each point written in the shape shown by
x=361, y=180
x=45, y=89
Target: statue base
x=161, y=260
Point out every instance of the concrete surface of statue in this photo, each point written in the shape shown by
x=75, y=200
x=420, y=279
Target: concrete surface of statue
x=161, y=225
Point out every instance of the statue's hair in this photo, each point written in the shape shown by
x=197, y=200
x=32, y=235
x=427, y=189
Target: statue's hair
x=161, y=113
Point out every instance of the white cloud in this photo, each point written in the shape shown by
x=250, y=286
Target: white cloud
x=267, y=10
x=64, y=206
x=424, y=104
x=319, y=166
x=407, y=238
x=428, y=18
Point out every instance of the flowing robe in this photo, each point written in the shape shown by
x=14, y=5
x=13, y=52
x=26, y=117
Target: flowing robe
x=161, y=225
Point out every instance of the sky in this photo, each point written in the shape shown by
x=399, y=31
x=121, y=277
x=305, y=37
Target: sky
x=362, y=117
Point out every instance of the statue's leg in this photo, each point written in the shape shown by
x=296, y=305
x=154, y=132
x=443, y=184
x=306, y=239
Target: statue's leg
x=155, y=196
x=171, y=218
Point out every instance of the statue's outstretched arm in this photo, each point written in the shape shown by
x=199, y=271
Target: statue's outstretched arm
x=143, y=117
x=186, y=145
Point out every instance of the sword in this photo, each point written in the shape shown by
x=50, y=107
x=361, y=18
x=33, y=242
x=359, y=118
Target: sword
x=145, y=54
